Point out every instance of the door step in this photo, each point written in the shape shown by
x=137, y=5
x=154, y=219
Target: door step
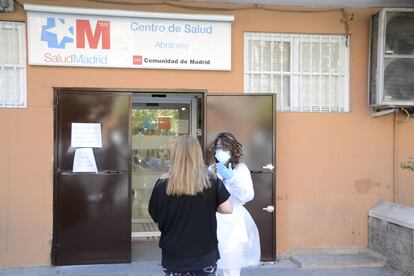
x=337, y=258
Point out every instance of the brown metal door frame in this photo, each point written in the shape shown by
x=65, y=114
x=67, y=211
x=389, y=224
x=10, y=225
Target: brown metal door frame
x=273, y=96
x=57, y=127
x=58, y=93
x=163, y=97
x=203, y=94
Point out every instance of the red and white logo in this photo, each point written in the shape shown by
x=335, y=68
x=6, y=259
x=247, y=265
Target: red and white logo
x=137, y=60
x=84, y=30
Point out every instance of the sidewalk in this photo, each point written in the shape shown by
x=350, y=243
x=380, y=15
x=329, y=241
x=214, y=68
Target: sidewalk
x=153, y=268
x=146, y=256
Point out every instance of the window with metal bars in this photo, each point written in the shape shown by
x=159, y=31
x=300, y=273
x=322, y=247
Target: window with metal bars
x=12, y=65
x=309, y=73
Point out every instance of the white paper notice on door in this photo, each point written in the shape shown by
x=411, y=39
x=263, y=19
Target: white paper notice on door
x=84, y=161
x=86, y=135
x=182, y=126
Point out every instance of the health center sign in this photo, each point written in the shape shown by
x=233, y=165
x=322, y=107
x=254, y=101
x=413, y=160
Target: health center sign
x=59, y=36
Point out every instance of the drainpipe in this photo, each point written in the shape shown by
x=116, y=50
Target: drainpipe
x=394, y=159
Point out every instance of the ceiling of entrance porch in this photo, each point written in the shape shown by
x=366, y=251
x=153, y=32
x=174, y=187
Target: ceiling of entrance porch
x=320, y=3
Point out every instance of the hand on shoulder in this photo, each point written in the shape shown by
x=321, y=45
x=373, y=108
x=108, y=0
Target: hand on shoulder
x=165, y=176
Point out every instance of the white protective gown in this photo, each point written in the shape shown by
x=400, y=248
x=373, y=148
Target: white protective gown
x=238, y=237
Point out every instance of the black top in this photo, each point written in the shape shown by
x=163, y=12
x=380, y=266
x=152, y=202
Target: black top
x=188, y=225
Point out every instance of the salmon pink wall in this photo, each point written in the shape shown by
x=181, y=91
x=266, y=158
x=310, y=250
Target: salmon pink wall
x=331, y=167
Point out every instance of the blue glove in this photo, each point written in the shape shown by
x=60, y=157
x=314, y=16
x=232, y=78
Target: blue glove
x=226, y=173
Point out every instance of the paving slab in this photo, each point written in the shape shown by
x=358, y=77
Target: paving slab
x=146, y=257
x=350, y=260
x=284, y=267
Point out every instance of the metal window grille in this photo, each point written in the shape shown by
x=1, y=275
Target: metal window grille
x=12, y=65
x=308, y=72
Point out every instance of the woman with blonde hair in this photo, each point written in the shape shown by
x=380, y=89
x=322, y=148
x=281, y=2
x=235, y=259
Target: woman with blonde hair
x=184, y=203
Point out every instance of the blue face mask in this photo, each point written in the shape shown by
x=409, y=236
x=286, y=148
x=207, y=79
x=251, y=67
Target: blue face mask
x=222, y=155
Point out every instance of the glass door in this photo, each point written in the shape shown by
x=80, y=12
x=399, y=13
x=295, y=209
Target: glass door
x=156, y=125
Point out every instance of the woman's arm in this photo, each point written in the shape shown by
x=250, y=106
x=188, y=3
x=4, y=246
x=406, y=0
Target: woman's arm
x=152, y=207
x=153, y=204
x=226, y=207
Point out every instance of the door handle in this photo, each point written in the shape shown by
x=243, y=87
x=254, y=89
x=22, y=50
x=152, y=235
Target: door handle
x=269, y=209
x=256, y=171
x=134, y=194
x=269, y=167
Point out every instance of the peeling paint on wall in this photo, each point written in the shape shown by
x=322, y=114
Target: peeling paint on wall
x=363, y=186
x=280, y=197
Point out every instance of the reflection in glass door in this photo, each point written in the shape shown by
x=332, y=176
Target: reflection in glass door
x=156, y=125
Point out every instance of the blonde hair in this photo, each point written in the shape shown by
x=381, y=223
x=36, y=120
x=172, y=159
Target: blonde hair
x=188, y=174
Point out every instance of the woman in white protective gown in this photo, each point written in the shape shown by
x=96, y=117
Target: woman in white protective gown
x=238, y=237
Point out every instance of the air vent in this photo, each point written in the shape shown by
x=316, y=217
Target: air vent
x=6, y=5
x=392, y=59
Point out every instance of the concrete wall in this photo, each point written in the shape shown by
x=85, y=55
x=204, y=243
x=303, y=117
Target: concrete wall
x=331, y=167
x=391, y=233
